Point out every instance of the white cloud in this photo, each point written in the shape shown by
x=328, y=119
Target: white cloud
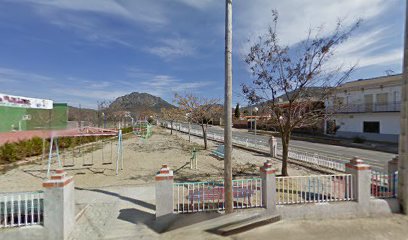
x=17, y=76
x=198, y=4
x=140, y=11
x=371, y=45
x=163, y=85
x=169, y=49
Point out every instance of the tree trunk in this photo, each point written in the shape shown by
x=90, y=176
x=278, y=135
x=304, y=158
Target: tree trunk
x=285, y=151
x=171, y=128
x=204, y=135
x=189, y=130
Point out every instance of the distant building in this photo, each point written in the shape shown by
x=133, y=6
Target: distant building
x=23, y=113
x=366, y=108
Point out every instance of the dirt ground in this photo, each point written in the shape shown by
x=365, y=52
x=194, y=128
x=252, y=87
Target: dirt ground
x=141, y=160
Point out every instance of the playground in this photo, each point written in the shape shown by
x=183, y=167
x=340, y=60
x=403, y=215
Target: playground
x=94, y=165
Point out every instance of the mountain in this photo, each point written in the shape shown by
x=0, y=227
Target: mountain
x=140, y=102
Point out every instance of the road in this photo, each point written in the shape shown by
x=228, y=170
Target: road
x=377, y=159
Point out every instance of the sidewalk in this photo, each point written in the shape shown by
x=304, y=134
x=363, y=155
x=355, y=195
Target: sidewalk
x=128, y=212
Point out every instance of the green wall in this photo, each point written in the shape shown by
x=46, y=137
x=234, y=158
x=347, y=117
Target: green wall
x=56, y=118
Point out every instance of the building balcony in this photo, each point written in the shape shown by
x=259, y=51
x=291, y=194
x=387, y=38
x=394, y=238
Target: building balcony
x=366, y=108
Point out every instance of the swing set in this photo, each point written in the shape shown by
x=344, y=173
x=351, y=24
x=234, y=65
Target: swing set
x=106, y=149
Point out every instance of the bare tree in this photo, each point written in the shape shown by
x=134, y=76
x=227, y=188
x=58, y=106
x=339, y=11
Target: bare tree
x=201, y=110
x=304, y=76
x=171, y=115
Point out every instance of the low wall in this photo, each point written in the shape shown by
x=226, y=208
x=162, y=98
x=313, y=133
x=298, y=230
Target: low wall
x=330, y=210
x=380, y=137
x=30, y=232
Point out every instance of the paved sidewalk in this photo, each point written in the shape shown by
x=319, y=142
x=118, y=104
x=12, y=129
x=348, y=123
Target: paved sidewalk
x=127, y=212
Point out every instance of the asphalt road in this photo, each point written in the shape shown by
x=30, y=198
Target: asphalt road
x=377, y=159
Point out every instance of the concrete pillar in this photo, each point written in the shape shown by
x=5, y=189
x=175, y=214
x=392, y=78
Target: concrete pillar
x=164, y=192
x=403, y=139
x=59, y=206
x=273, y=147
x=268, y=186
x=392, y=166
x=361, y=181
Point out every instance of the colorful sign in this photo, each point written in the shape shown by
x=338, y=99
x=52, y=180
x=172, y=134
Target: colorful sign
x=24, y=102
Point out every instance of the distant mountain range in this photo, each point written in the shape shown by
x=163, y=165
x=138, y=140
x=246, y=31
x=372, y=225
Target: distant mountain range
x=135, y=102
x=139, y=102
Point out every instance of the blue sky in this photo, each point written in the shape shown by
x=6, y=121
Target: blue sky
x=84, y=51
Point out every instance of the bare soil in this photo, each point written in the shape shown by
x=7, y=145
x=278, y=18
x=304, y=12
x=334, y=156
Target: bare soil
x=141, y=161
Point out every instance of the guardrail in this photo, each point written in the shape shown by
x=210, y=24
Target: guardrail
x=314, y=189
x=21, y=209
x=209, y=196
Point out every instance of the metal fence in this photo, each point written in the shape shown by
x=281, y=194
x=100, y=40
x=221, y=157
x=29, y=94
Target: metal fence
x=384, y=185
x=314, y=189
x=209, y=196
x=21, y=209
x=329, y=162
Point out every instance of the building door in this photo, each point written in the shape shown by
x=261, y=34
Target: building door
x=368, y=102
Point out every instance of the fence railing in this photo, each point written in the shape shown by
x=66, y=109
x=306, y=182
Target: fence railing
x=328, y=162
x=314, y=189
x=316, y=160
x=209, y=196
x=21, y=209
x=366, y=107
x=384, y=185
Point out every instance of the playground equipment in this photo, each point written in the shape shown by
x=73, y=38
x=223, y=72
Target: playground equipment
x=102, y=149
x=193, y=159
x=143, y=129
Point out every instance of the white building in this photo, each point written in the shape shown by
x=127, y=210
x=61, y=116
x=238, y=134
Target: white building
x=366, y=108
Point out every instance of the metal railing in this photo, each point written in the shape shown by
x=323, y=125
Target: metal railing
x=328, y=162
x=314, y=189
x=361, y=108
x=316, y=160
x=209, y=196
x=21, y=209
x=384, y=185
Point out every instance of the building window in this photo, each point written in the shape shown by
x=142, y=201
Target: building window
x=371, y=127
x=382, y=99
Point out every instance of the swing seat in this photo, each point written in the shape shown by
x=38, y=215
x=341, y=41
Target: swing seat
x=87, y=164
x=68, y=165
x=106, y=163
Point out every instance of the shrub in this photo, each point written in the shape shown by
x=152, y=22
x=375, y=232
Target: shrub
x=358, y=139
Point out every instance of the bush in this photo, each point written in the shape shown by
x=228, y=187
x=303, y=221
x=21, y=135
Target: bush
x=127, y=130
x=358, y=139
x=12, y=152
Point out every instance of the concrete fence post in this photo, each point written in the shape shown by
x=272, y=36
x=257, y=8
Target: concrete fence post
x=361, y=181
x=273, y=145
x=164, y=192
x=392, y=166
x=59, y=206
x=268, y=186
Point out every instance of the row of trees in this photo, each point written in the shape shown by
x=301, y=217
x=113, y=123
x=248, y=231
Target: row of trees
x=193, y=109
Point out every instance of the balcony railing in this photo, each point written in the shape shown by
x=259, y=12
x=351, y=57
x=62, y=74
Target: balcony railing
x=365, y=108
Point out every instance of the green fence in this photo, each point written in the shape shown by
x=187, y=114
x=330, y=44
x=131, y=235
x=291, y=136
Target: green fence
x=15, y=118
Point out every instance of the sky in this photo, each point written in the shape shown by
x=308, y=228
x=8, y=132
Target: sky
x=84, y=51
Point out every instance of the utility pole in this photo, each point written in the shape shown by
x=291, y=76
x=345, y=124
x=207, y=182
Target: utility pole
x=229, y=208
x=403, y=142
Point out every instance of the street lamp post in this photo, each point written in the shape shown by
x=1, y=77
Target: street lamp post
x=255, y=110
x=228, y=197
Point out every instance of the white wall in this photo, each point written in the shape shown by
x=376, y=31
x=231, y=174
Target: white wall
x=389, y=122
x=357, y=96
